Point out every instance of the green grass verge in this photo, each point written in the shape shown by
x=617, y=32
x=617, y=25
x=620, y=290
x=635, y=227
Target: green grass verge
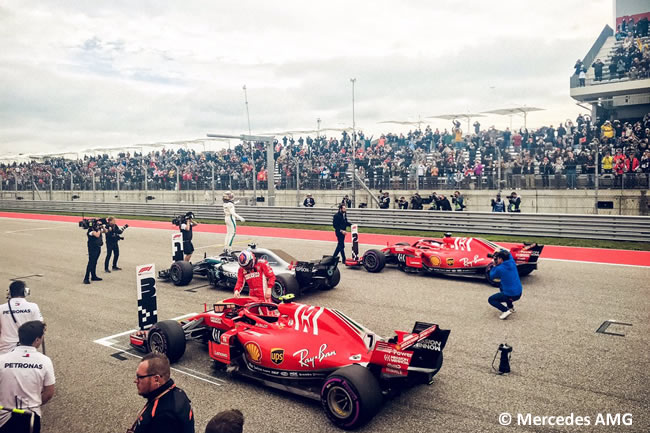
x=587, y=243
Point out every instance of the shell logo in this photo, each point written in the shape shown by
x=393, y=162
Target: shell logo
x=435, y=261
x=254, y=352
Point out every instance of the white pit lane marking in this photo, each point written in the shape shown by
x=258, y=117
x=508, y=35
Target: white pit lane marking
x=29, y=230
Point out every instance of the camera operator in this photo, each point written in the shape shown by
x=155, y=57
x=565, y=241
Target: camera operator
x=186, y=230
x=459, y=201
x=384, y=200
x=402, y=203
x=95, y=243
x=416, y=201
x=514, y=202
x=14, y=313
x=113, y=236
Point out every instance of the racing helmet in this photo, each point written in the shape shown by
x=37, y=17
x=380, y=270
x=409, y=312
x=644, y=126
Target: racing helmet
x=228, y=196
x=246, y=259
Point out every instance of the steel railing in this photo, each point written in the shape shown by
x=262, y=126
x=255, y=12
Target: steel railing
x=604, y=227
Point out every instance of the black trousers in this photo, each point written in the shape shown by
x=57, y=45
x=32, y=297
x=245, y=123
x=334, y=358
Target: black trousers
x=112, y=248
x=340, y=246
x=20, y=424
x=93, y=255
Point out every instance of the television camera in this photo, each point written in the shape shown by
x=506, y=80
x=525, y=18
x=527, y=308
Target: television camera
x=87, y=223
x=181, y=219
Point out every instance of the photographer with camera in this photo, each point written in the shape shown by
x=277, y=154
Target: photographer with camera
x=95, y=227
x=113, y=236
x=416, y=202
x=505, y=269
x=14, y=313
x=186, y=224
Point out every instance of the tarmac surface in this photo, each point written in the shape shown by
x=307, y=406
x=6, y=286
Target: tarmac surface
x=560, y=365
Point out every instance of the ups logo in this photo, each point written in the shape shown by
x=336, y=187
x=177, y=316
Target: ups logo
x=450, y=262
x=277, y=356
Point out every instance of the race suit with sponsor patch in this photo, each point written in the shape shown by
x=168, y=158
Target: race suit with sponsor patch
x=260, y=280
x=231, y=226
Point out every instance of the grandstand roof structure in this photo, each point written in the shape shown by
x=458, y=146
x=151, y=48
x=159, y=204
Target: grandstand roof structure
x=467, y=116
x=515, y=110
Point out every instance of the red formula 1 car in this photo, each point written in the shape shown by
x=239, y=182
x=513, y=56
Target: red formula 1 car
x=449, y=255
x=312, y=351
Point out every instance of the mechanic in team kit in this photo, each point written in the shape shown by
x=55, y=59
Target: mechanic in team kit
x=505, y=268
x=257, y=274
x=14, y=313
x=229, y=217
x=26, y=381
x=340, y=223
x=168, y=410
x=186, y=229
x=113, y=236
x=95, y=243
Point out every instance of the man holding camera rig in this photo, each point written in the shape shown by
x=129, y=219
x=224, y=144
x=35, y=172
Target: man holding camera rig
x=94, y=234
x=113, y=236
x=186, y=229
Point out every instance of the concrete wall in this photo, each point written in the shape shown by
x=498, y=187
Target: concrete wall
x=627, y=202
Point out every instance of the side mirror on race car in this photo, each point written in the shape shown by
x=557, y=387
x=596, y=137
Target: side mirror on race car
x=285, y=299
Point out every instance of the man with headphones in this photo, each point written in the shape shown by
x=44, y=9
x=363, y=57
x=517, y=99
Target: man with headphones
x=14, y=313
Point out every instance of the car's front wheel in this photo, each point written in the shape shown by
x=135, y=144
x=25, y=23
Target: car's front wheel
x=167, y=337
x=351, y=396
x=181, y=273
x=374, y=260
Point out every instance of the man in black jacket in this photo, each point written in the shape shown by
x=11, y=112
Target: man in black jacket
x=167, y=409
x=340, y=223
x=309, y=201
x=95, y=243
x=113, y=236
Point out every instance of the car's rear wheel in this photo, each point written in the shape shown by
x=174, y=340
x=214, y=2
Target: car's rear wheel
x=167, y=337
x=374, y=260
x=351, y=396
x=181, y=273
x=333, y=280
x=284, y=285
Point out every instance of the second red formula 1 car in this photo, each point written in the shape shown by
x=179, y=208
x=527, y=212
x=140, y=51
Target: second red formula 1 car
x=315, y=352
x=449, y=255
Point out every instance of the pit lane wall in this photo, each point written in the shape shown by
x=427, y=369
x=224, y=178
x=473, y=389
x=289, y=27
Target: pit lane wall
x=622, y=202
x=610, y=227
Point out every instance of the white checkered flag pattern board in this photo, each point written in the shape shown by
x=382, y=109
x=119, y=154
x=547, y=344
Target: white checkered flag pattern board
x=146, y=288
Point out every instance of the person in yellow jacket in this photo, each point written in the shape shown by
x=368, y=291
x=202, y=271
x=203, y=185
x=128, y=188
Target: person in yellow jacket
x=607, y=131
x=608, y=163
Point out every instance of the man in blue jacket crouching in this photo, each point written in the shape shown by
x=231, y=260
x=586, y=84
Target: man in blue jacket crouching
x=505, y=269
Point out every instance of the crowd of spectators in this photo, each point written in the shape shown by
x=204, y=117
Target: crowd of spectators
x=547, y=157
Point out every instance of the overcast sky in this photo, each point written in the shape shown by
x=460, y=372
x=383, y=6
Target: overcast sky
x=77, y=75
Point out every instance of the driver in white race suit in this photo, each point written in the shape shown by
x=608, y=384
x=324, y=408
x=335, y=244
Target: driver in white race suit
x=229, y=216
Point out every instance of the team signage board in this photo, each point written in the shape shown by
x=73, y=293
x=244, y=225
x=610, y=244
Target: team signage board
x=146, y=288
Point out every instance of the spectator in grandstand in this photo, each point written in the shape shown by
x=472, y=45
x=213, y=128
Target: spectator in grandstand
x=309, y=201
x=598, y=66
x=582, y=75
x=620, y=68
x=570, y=166
x=607, y=163
x=545, y=169
x=528, y=170
x=612, y=70
x=578, y=67
x=497, y=204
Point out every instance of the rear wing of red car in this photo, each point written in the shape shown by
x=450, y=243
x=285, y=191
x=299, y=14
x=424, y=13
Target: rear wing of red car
x=528, y=253
x=417, y=350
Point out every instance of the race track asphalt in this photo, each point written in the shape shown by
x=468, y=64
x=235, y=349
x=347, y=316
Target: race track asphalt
x=560, y=365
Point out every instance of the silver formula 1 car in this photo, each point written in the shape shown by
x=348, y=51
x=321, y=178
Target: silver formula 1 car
x=292, y=276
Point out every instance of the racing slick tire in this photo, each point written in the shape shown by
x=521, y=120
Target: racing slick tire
x=167, y=337
x=333, y=280
x=181, y=273
x=374, y=260
x=351, y=396
x=283, y=286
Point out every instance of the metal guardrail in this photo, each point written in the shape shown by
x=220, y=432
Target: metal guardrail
x=603, y=227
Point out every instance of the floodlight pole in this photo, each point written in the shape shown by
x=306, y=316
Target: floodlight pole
x=250, y=146
x=354, y=148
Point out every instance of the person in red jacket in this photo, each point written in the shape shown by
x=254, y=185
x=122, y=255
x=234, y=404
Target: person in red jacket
x=257, y=274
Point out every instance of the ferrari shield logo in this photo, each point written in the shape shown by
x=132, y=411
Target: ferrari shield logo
x=277, y=356
x=450, y=262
